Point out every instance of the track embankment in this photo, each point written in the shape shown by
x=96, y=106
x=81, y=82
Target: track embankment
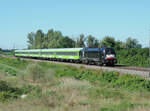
x=118, y=68
x=123, y=70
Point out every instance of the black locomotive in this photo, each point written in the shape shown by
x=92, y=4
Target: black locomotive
x=99, y=56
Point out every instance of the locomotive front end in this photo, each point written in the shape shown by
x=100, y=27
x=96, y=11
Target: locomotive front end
x=110, y=56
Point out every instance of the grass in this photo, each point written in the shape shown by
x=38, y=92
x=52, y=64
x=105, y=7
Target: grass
x=53, y=87
x=7, y=53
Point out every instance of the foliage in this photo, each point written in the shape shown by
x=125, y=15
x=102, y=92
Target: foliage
x=81, y=41
x=53, y=39
x=119, y=45
x=102, y=91
x=37, y=72
x=66, y=42
x=96, y=92
x=107, y=42
x=7, y=52
x=30, y=41
x=10, y=71
x=0, y=50
x=92, y=42
x=132, y=43
x=123, y=106
x=16, y=63
x=134, y=57
x=113, y=79
x=44, y=71
x=8, y=92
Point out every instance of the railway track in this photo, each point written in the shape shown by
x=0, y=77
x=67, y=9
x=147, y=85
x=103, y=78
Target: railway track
x=141, y=71
x=133, y=68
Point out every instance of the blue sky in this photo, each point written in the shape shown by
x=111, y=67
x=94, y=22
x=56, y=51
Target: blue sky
x=117, y=18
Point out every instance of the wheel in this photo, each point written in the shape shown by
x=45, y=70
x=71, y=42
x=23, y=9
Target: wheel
x=100, y=64
x=110, y=64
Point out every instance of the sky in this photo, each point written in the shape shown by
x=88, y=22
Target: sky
x=118, y=18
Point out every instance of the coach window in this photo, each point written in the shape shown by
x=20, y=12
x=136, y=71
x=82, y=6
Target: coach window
x=47, y=53
x=67, y=53
x=36, y=52
x=59, y=53
x=50, y=53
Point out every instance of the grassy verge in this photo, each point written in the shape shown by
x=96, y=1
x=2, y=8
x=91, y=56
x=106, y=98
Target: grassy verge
x=6, y=53
x=53, y=87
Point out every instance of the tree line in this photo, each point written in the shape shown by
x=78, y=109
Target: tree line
x=55, y=39
x=129, y=52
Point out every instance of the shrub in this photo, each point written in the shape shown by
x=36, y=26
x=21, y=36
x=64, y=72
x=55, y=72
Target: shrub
x=10, y=71
x=113, y=79
x=38, y=73
x=134, y=57
x=8, y=92
x=34, y=71
x=109, y=76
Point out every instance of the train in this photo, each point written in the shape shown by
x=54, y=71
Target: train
x=98, y=56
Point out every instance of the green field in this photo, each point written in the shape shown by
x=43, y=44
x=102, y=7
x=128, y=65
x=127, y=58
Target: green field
x=53, y=87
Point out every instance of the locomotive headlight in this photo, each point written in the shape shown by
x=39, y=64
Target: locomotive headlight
x=110, y=55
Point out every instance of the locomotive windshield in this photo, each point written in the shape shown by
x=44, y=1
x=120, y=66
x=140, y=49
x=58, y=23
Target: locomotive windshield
x=110, y=51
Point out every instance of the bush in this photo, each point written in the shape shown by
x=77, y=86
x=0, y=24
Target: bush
x=8, y=92
x=113, y=79
x=38, y=73
x=109, y=76
x=10, y=71
x=35, y=72
x=134, y=57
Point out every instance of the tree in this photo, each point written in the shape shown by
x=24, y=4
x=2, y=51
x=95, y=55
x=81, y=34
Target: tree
x=96, y=44
x=48, y=38
x=80, y=41
x=107, y=42
x=119, y=45
x=30, y=41
x=39, y=39
x=66, y=42
x=54, y=39
x=132, y=43
x=92, y=42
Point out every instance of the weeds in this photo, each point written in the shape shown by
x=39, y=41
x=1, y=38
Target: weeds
x=123, y=106
x=8, y=92
x=35, y=72
x=97, y=93
x=38, y=73
x=113, y=79
x=98, y=90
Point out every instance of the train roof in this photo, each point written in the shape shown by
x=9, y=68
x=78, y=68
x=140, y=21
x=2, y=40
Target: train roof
x=63, y=50
x=51, y=50
x=91, y=49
